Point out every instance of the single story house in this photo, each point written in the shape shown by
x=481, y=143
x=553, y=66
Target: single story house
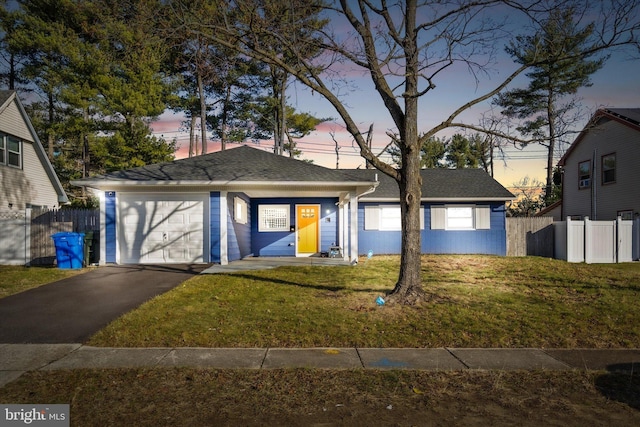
x=224, y=206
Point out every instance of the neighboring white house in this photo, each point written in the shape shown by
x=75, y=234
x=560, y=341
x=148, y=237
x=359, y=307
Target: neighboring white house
x=28, y=179
x=602, y=168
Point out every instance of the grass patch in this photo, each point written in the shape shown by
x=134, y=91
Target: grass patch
x=16, y=279
x=473, y=301
x=189, y=397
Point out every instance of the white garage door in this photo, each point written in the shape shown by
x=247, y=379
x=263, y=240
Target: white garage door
x=161, y=228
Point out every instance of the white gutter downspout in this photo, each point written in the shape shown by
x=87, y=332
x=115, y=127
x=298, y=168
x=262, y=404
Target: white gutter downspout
x=353, y=206
x=224, y=235
x=594, y=191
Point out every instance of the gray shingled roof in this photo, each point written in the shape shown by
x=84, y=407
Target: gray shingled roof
x=246, y=164
x=442, y=184
x=242, y=164
x=630, y=114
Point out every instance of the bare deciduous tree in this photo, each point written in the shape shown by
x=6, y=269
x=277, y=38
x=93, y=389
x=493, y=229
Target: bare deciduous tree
x=405, y=47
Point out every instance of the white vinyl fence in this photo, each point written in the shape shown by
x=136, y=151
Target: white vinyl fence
x=14, y=238
x=25, y=236
x=594, y=241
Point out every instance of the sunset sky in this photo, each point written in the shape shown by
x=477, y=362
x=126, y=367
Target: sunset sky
x=616, y=85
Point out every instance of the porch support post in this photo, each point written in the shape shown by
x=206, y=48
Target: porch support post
x=353, y=232
x=224, y=255
x=102, y=258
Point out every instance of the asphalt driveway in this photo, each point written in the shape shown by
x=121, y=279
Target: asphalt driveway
x=73, y=309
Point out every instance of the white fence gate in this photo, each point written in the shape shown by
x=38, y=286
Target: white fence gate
x=594, y=241
x=14, y=238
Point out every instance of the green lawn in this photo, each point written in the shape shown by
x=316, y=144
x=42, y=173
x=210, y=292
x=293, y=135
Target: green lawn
x=15, y=279
x=473, y=301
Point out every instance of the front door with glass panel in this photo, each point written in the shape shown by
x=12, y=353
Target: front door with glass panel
x=307, y=219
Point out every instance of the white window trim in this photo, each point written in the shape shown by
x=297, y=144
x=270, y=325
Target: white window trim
x=390, y=218
x=18, y=153
x=449, y=219
x=284, y=219
x=481, y=217
x=4, y=146
x=604, y=169
x=374, y=220
x=240, y=210
x=585, y=182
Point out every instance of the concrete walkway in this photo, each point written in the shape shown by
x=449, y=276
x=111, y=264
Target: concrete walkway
x=266, y=263
x=16, y=359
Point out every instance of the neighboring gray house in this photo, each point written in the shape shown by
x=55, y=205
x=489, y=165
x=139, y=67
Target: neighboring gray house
x=241, y=202
x=28, y=179
x=602, y=168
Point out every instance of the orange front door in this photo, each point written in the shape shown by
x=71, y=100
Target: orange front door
x=307, y=218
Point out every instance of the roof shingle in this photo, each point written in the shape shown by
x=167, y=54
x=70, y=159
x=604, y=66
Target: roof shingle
x=441, y=184
x=242, y=164
x=246, y=165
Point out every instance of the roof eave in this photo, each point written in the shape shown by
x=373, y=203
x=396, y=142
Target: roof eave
x=111, y=184
x=442, y=199
x=603, y=112
x=39, y=149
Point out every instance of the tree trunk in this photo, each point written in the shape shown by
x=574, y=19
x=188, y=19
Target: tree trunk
x=551, y=117
x=278, y=84
x=203, y=114
x=50, y=136
x=225, y=118
x=192, y=136
x=409, y=290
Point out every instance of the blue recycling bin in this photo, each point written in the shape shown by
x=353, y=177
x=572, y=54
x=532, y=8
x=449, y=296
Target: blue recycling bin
x=69, y=249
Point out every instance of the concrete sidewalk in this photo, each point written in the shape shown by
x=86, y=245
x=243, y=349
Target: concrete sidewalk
x=16, y=359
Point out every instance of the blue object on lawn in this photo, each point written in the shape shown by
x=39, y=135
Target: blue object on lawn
x=69, y=249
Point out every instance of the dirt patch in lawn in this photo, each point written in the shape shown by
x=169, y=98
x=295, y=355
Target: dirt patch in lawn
x=188, y=397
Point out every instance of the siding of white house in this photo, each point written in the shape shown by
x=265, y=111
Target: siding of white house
x=603, y=202
x=29, y=184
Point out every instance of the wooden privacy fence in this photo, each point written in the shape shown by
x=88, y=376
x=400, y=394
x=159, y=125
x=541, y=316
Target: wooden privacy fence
x=25, y=237
x=530, y=236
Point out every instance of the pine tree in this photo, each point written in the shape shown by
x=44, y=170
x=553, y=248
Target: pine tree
x=561, y=55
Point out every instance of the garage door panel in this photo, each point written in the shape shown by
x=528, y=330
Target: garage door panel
x=177, y=219
x=156, y=230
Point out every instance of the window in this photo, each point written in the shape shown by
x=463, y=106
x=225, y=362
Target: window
x=273, y=218
x=609, y=169
x=460, y=217
x=386, y=217
x=584, y=174
x=10, y=151
x=626, y=215
x=390, y=218
x=240, y=210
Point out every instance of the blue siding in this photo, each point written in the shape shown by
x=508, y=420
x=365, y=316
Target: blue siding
x=110, y=226
x=380, y=242
x=238, y=235
x=283, y=243
x=214, y=217
x=492, y=241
